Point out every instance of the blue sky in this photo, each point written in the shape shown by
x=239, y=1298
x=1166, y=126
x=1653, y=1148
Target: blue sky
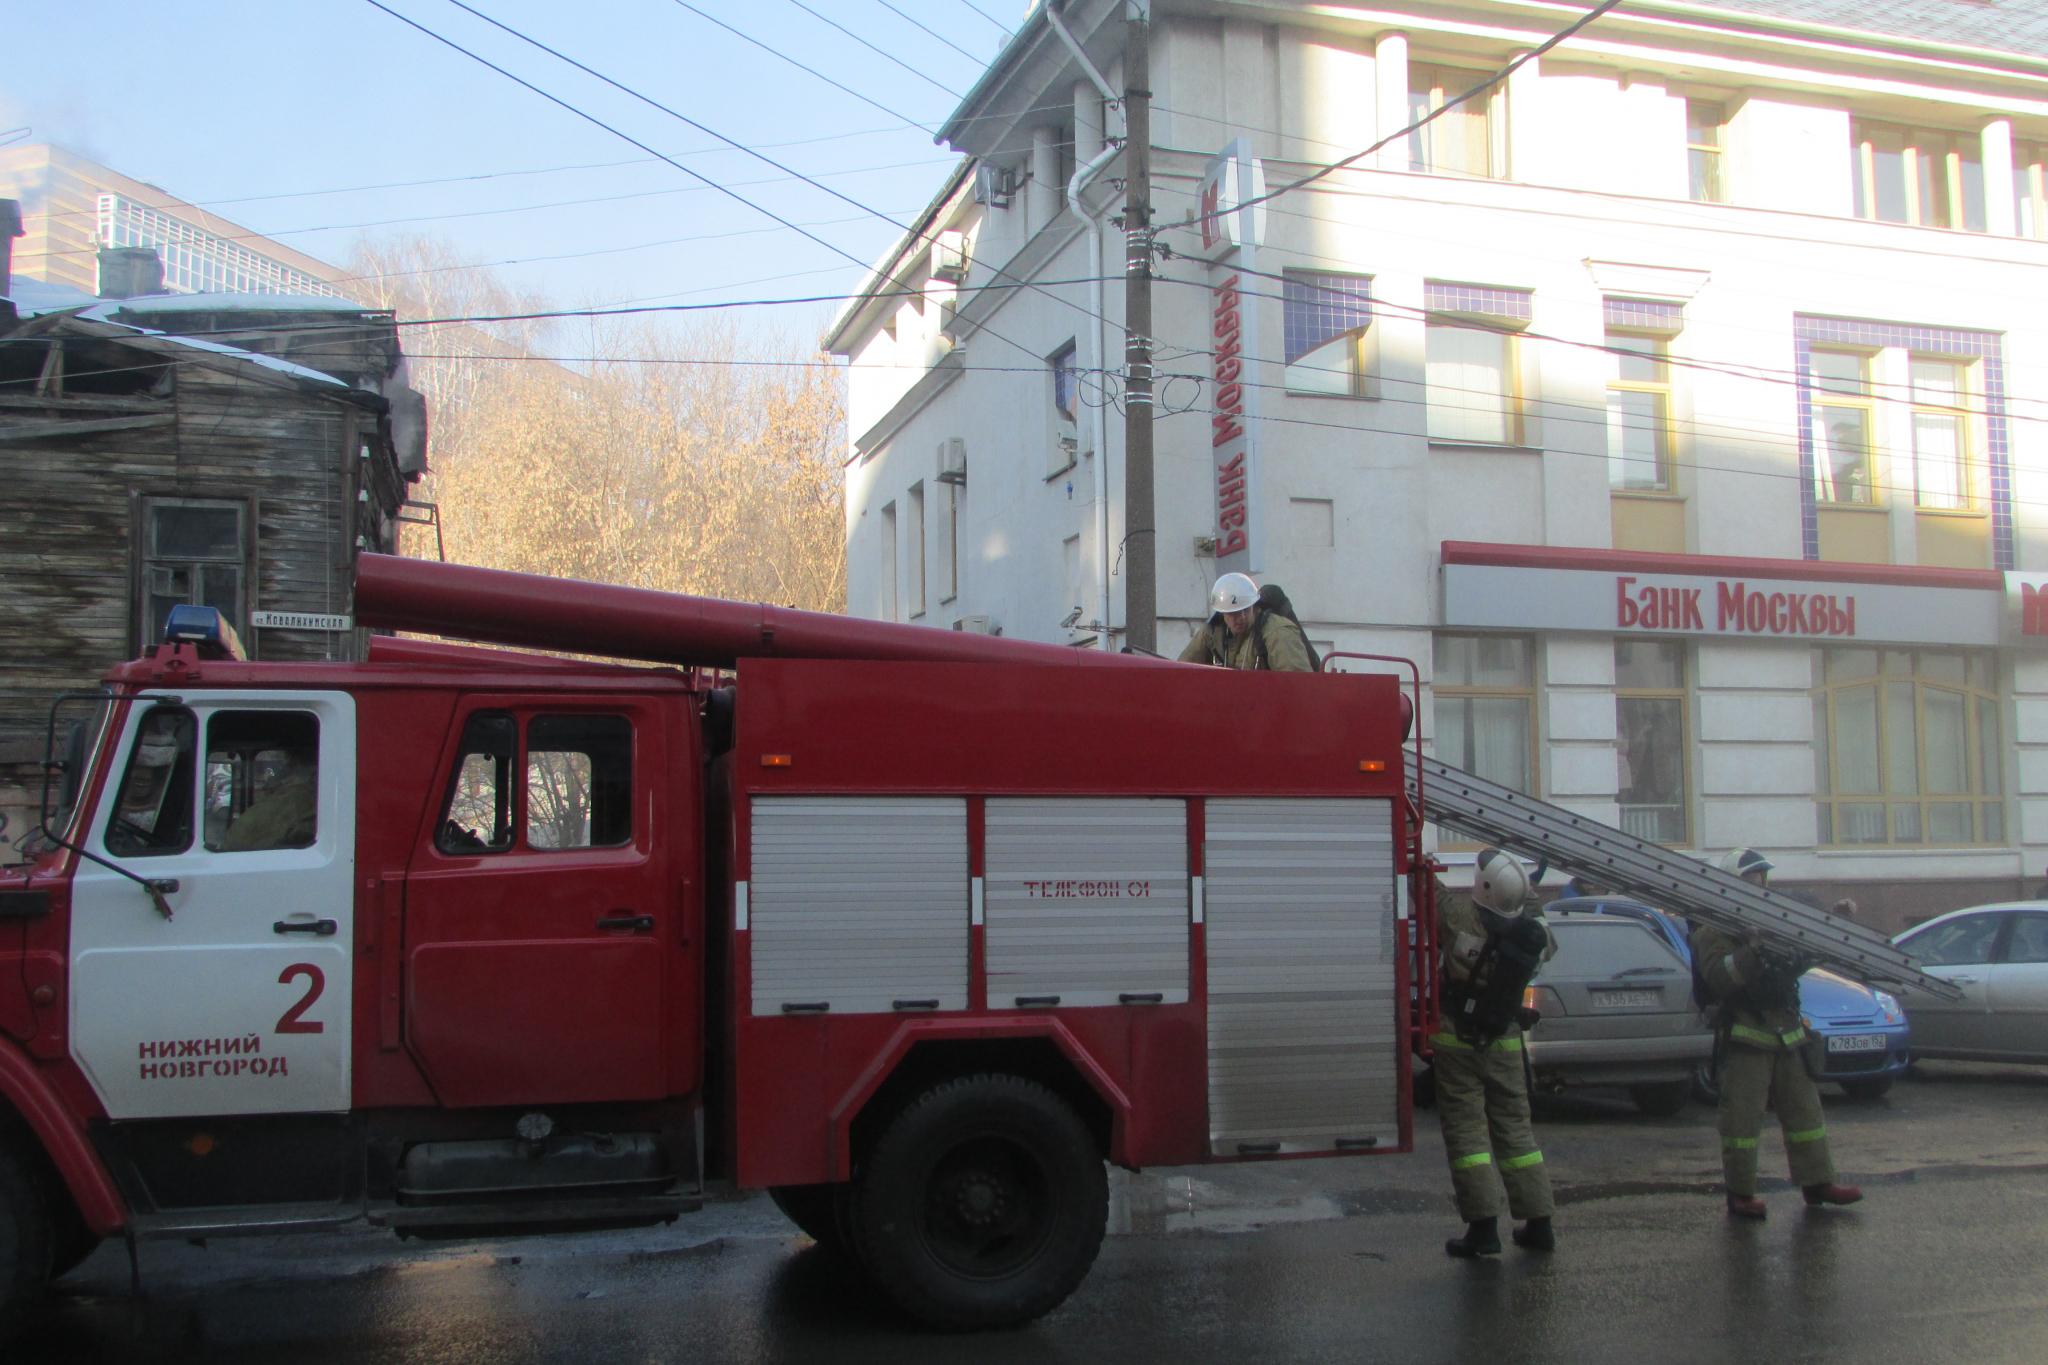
x=275, y=113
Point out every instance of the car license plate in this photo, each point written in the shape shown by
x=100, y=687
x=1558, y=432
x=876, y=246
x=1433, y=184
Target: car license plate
x=1614, y=1000
x=1857, y=1042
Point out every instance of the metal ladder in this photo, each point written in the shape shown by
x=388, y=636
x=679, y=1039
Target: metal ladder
x=1535, y=829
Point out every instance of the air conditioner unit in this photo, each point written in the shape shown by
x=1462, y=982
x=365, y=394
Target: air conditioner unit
x=953, y=461
x=976, y=625
x=994, y=185
x=949, y=255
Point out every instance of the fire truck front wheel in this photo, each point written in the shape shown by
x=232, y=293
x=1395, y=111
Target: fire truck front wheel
x=982, y=1204
x=24, y=1239
x=813, y=1209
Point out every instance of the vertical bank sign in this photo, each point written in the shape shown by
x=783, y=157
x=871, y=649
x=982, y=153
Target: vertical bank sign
x=1230, y=230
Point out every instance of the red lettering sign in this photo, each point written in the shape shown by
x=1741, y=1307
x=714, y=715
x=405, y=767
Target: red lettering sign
x=1736, y=608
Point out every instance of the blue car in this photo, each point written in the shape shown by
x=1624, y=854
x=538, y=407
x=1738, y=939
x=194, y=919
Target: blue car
x=1865, y=1031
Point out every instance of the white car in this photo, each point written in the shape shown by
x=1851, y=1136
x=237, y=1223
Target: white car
x=1998, y=954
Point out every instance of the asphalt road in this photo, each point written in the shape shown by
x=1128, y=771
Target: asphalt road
x=1311, y=1261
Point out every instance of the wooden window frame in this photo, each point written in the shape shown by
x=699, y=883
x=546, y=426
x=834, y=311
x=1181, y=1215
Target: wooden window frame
x=1711, y=156
x=1527, y=693
x=1918, y=146
x=1683, y=696
x=1667, y=433
x=1986, y=791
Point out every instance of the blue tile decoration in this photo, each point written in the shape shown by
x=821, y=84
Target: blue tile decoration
x=1643, y=315
x=1988, y=347
x=1317, y=308
x=1439, y=297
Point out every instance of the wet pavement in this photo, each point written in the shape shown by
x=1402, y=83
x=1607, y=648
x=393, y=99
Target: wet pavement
x=1336, y=1260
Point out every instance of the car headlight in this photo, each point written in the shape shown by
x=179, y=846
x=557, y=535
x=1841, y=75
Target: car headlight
x=1889, y=1004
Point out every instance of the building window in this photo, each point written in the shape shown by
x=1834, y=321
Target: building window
x=1460, y=140
x=1638, y=412
x=1906, y=747
x=1650, y=737
x=2030, y=188
x=1471, y=365
x=193, y=553
x=1485, y=692
x=888, y=563
x=1843, y=467
x=949, y=541
x=914, y=570
x=1941, y=476
x=1327, y=326
x=1923, y=176
x=1704, y=127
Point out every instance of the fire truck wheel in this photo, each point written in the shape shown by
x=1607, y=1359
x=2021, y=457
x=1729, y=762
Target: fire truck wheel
x=811, y=1207
x=24, y=1240
x=982, y=1204
x=71, y=1241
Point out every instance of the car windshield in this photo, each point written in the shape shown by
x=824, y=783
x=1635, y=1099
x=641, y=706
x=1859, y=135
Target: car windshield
x=1961, y=942
x=1603, y=948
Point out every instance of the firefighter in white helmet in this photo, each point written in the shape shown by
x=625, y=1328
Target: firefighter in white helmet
x=1759, y=1035
x=1244, y=631
x=1491, y=946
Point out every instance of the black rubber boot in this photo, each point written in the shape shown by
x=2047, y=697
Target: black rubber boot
x=1482, y=1238
x=1536, y=1235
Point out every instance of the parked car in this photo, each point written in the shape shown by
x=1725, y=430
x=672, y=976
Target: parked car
x=1998, y=954
x=1865, y=1031
x=1617, y=1009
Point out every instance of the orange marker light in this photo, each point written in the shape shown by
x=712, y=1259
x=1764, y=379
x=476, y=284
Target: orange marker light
x=1372, y=765
x=775, y=760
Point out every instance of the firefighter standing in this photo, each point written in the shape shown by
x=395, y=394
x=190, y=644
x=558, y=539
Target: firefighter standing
x=1491, y=947
x=1243, y=633
x=1759, y=1033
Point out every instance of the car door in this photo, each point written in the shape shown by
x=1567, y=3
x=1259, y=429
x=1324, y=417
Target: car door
x=1960, y=951
x=2019, y=991
x=539, y=904
x=232, y=995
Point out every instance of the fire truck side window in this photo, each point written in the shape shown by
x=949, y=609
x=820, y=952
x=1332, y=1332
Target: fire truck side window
x=478, y=815
x=262, y=780
x=153, y=812
x=579, y=781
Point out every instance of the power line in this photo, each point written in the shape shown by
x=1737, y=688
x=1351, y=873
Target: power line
x=1005, y=28
x=919, y=23
x=748, y=37
x=878, y=51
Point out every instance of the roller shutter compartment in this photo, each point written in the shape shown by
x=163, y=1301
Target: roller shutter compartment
x=1300, y=909
x=858, y=905
x=1086, y=901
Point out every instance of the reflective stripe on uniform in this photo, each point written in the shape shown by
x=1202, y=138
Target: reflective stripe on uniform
x=1808, y=1134
x=1451, y=1040
x=1738, y=1144
x=1766, y=1037
x=1516, y=1163
x=1460, y=1163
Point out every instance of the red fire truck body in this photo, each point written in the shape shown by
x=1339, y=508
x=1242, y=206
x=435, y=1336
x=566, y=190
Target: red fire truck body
x=917, y=944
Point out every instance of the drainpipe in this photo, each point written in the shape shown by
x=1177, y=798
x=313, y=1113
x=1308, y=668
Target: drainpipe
x=1098, y=419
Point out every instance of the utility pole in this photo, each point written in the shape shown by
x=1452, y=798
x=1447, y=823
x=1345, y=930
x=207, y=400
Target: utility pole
x=1141, y=558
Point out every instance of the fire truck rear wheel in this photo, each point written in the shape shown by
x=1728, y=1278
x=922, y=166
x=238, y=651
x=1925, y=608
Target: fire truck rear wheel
x=982, y=1204
x=24, y=1240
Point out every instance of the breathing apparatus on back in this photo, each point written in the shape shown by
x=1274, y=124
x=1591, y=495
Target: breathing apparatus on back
x=1488, y=1002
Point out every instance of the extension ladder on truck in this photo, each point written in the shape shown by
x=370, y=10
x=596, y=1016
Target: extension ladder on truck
x=1536, y=829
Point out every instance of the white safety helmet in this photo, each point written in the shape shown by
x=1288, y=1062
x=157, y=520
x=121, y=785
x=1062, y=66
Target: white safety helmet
x=1233, y=592
x=1500, y=883
x=1741, y=862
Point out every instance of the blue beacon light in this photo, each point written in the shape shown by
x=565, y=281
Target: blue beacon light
x=205, y=628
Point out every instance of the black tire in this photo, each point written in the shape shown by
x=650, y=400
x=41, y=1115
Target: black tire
x=1706, y=1082
x=71, y=1241
x=1663, y=1099
x=24, y=1240
x=1868, y=1088
x=982, y=1205
x=813, y=1209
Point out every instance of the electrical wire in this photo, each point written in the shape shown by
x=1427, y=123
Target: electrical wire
x=919, y=23
x=748, y=37
x=1005, y=28
x=887, y=55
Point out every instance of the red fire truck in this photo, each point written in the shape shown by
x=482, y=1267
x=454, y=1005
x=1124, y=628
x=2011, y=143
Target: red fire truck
x=916, y=929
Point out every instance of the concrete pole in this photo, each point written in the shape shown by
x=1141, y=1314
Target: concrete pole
x=1141, y=584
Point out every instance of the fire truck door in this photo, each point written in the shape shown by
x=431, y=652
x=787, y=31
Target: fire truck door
x=238, y=1001
x=541, y=921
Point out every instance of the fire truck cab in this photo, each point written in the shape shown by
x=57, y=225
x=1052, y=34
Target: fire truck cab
x=466, y=942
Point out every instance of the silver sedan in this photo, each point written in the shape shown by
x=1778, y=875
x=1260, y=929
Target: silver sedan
x=1998, y=954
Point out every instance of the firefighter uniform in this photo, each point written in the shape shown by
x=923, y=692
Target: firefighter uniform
x=1761, y=1064
x=1286, y=646
x=1482, y=1094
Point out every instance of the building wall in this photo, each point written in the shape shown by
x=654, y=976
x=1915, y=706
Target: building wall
x=1597, y=206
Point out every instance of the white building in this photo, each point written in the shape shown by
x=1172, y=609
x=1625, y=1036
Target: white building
x=1680, y=405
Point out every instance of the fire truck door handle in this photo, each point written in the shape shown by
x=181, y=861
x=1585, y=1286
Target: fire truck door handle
x=914, y=1004
x=1140, y=998
x=322, y=927
x=639, y=924
x=806, y=1007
